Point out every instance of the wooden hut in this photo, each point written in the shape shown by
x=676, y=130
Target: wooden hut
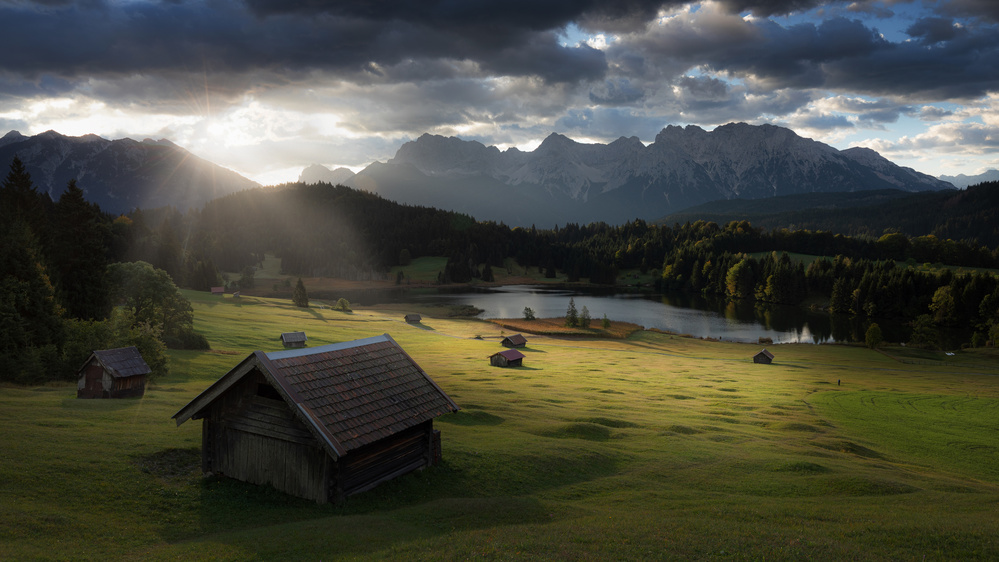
x=218, y=291
x=507, y=358
x=294, y=339
x=413, y=319
x=763, y=357
x=515, y=340
x=321, y=423
x=113, y=373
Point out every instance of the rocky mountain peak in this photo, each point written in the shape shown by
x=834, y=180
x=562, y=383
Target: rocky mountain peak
x=625, y=179
x=317, y=173
x=123, y=174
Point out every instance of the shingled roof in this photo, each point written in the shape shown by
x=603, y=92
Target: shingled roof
x=122, y=362
x=294, y=337
x=348, y=394
x=766, y=354
x=515, y=340
x=510, y=354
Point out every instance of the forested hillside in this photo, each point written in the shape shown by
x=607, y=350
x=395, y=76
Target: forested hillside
x=971, y=214
x=76, y=278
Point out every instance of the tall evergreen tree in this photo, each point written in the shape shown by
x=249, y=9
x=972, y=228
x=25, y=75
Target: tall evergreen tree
x=31, y=328
x=571, y=314
x=18, y=197
x=300, y=297
x=80, y=241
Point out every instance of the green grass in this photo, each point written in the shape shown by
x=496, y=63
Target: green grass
x=650, y=447
x=421, y=270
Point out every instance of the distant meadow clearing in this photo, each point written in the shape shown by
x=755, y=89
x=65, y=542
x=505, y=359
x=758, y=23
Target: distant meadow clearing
x=648, y=446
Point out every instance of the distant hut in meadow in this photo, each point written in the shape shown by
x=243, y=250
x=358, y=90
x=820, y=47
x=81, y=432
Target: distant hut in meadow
x=507, y=358
x=218, y=290
x=764, y=357
x=113, y=373
x=516, y=340
x=294, y=339
x=321, y=423
x=413, y=319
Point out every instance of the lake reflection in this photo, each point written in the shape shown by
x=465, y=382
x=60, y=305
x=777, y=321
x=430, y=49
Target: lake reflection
x=680, y=313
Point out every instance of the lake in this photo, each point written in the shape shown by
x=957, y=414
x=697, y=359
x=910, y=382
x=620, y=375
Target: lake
x=681, y=313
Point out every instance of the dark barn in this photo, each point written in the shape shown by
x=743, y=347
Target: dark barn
x=321, y=423
x=516, y=340
x=113, y=373
x=508, y=358
x=294, y=339
x=413, y=318
x=763, y=357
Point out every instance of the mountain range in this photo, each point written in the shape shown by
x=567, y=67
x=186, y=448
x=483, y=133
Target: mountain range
x=962, y=181
x=561, y=181
x=567, y=181
x=120, y=175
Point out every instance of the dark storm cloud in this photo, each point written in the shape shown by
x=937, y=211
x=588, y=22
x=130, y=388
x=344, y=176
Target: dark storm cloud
x=932, y=113
x=287, y=39
x=95, y=39
x=933, y=30
x=985, y=9
x=945, y=61
x=618, y=91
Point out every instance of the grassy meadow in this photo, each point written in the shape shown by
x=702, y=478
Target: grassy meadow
x=647, y=447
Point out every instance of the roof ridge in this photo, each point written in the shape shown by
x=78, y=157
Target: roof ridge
x=290, y=353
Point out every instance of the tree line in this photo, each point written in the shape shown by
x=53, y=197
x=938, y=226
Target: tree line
x=63, y=287
x=68, y=286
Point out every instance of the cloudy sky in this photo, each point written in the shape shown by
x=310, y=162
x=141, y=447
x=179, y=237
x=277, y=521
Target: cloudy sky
x=267, y=87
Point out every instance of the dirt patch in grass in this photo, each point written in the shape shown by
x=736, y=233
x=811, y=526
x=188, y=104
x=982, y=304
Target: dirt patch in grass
x=556, y=327
x=849, y=447
x=609, y=422
x=171, y=463
x=867, y=487
x=800, y=467
x=792, y=426
x=579, y=430
x=682, y=429
x=471, y=417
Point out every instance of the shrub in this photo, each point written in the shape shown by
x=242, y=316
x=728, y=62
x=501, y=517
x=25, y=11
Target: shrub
x=873, y=337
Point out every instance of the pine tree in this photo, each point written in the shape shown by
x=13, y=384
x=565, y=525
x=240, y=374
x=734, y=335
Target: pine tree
x=80, y=241
x=571, y=315
x=19, y=198
x=31, y=328
x=300, y=297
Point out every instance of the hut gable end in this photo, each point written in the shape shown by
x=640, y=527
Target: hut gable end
x=113, y=373
x=764, y=357
x=365, y=406
x=294, y=339
x=516, y=340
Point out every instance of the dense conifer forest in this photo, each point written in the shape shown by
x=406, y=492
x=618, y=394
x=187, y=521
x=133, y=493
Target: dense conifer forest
x=67, y=288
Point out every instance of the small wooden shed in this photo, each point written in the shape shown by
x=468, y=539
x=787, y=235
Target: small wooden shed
x=516, y=340
x=321, y=423
x=113, y=373
x=294, y=339
x=413, y=319
x=507, y=358
x=218, y=290
x=763, y=357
